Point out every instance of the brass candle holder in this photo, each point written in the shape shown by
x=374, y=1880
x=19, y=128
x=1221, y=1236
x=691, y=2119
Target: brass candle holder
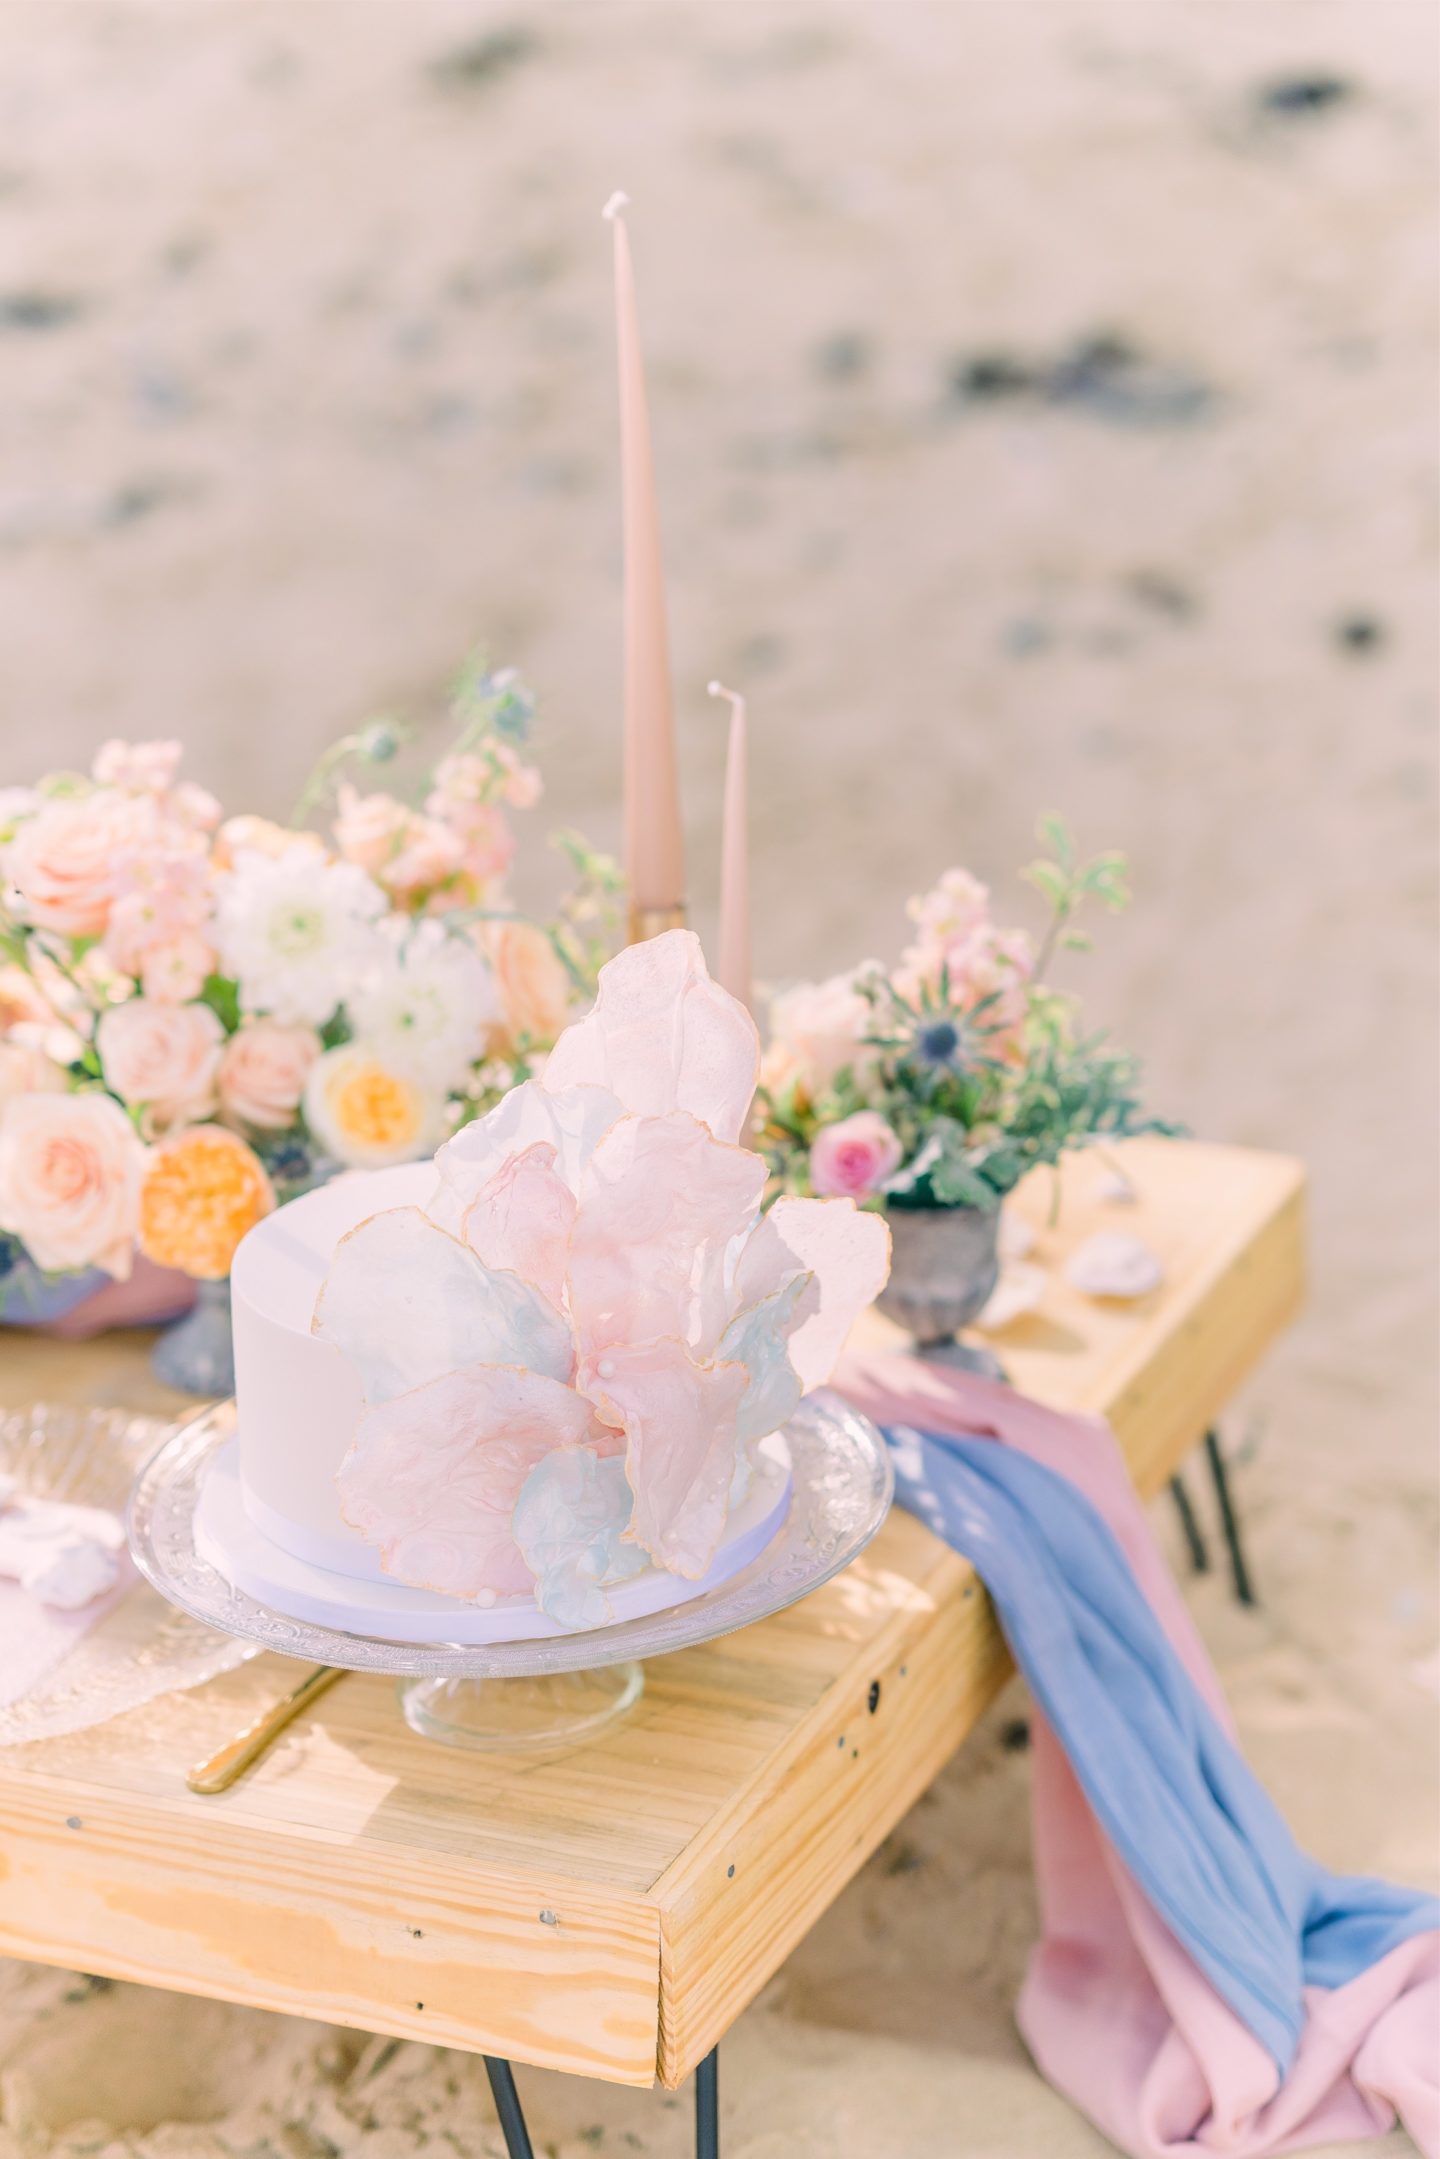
x=648, y=922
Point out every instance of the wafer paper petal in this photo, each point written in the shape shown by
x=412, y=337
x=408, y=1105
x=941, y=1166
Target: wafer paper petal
x=759, y=1338
x=521, y=1220
x=659, y=1205
x=404, y=1302
x=570, y=1522
x=679, y=1423
x=847, y=1252
x=530, y=1115
x=663, y=1036
x=433, y=1476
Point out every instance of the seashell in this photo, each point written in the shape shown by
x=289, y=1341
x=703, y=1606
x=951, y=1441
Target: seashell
x=1112, y=1263
x=1020, y=1289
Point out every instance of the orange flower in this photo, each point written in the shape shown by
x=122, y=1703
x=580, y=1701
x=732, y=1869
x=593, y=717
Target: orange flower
x=203, y=1190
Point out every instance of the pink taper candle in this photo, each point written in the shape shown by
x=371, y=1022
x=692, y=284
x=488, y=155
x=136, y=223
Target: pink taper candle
x=734, y=968
x=654, y=847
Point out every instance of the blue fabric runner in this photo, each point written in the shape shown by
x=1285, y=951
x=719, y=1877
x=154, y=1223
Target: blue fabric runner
x=1168, y=1787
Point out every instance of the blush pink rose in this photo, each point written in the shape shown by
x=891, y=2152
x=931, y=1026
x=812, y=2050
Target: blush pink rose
x=68, y=860
x=70, y=1174
x=852, y=1159
x=163, y=1059
x=263, y=1072
x=535, y=991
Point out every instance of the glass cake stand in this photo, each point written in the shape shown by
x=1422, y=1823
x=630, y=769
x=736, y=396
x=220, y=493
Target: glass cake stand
x=560, y=1691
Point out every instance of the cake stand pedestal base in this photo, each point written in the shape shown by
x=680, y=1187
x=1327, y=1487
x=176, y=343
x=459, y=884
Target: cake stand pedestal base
x=546, y=1714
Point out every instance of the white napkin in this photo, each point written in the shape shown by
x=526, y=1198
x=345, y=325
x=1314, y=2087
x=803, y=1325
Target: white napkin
x=62, y=1568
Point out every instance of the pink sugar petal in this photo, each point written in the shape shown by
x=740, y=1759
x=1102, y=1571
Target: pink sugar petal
x=663, y=1036
x=659, y=1205
x=432, y=1476
x=847, y=1252
x=528, y=1116
x=404, y=1301
x=521, y=1220
x=679, y=1422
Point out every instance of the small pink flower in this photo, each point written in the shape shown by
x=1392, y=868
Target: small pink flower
x=368, y=827
x=427, y=855
x=161, y=1058
x=164, y=897
x=852, y=1159
x=177, y=970
x=956, y=907
x=139, y=768
x=406, y=852
x=521, y=785
x=263, y=1073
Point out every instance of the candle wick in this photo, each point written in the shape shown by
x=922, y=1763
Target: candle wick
x=615, y=205
x=718, y=689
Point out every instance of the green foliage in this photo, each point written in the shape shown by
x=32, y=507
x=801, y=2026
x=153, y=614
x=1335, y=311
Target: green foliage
x=978, y=1090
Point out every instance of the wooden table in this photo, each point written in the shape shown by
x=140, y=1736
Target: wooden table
x=610, y=1913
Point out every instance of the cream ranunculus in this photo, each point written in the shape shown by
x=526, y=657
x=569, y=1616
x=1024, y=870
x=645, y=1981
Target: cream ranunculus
x=368, y=1115
x=67, y=860
x=161, y=1059
x=535, y=990
x=70, y=1173
x=263, y=1072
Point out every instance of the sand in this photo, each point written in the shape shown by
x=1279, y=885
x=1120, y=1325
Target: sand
x=1043, y=395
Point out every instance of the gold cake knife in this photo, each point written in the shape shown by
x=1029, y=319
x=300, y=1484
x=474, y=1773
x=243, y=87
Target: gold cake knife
x=235, y=1757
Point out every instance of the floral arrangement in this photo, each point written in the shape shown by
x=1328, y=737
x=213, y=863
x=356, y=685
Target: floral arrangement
x=199, y=1014
x=940, y=1082
x=568, y=1354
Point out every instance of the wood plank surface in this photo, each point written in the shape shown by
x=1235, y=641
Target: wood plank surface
x=758, y=1753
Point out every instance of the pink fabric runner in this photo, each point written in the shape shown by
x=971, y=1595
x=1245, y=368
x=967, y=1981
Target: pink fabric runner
x=1116, y=2014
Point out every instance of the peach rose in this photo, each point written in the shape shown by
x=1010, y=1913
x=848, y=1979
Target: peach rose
x=70, y=1172
x=263, y=1073
x=160, y=1058
x=259, y=836
x=66, y=861
x=203, y=1189
x=535, y=990
x=852, y=1159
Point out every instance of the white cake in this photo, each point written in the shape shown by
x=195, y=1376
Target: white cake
x=539, y=1377
x=299, y=1400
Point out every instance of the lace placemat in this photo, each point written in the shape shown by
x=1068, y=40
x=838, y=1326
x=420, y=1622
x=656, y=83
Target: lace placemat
x=141, y=1646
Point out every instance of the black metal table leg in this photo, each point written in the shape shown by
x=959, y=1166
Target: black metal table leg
x=517, y=2136
x=507, y=2106
x=707, y=2107
x=1239, y=1572
x=1190, y=1528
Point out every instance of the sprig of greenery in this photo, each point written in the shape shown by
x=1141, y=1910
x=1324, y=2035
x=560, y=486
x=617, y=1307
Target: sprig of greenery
x=1066, y=882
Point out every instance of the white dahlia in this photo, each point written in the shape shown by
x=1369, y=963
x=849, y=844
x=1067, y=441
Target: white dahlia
x=428, y=1003
x=296, y=932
